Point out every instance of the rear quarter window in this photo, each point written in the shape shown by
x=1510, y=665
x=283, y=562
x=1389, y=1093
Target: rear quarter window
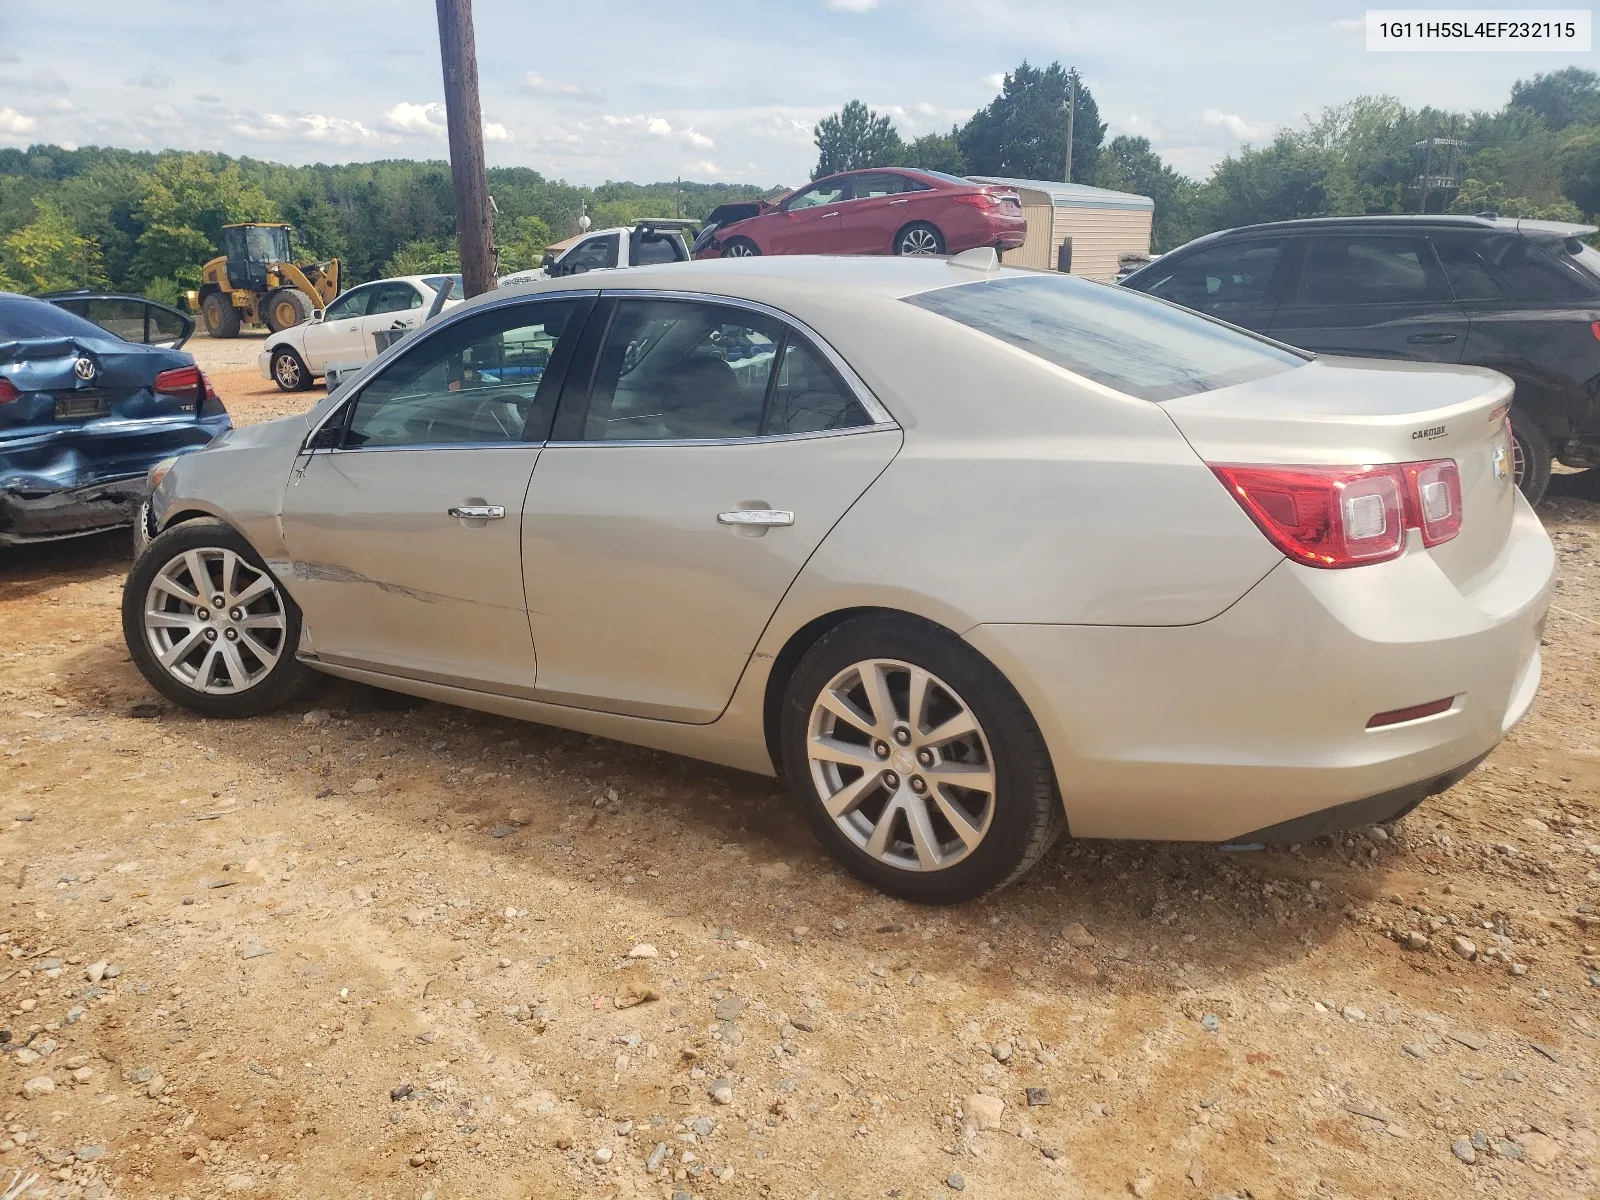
x=1120, y=338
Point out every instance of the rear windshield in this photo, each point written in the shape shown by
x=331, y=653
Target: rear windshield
x=1123, y=339
x=25, y=317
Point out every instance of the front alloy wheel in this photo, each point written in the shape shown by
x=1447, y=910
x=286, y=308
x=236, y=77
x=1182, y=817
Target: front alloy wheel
x=901, y=765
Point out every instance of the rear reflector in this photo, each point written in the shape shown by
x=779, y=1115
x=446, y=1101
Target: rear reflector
x=1399, y=716
x=8, y=391
x=1347, y=516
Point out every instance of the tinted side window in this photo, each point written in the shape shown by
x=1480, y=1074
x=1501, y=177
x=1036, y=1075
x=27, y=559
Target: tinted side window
x=808, y=396
x=656, y=250
x=830, y=192
x=672, y=369
x=1365, y=269
x=480, y=380
x=1221, y=278
x=1470, y=275
x=351, y=304
x=395, y=297
x=1529, y=272
x=596, y=254
x=884, y=183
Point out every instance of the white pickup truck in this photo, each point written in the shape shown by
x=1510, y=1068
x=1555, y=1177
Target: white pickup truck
x=658, y=240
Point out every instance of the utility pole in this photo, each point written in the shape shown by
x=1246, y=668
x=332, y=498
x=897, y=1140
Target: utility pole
x=464, y=119
x=1427, y=165
x=1072, y=117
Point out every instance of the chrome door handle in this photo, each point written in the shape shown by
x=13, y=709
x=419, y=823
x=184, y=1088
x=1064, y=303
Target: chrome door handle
x=765, y=518
x=907, y=200
x=477, y=512
x=825, y=216
x=1431, y=339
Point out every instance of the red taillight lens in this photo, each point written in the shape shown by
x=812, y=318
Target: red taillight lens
x=8, y=390
x=976, y=199
x=1348, y=516
x=1323, y=516
x=186, y=383
x=1594, y=328
x=1435, y=490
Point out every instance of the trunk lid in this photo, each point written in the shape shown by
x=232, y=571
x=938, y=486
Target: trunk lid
x=1360, y=412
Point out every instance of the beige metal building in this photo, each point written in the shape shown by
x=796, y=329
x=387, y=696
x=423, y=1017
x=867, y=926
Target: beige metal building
x=1102, y=224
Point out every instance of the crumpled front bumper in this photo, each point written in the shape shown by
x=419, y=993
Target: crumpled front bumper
x=74, y=512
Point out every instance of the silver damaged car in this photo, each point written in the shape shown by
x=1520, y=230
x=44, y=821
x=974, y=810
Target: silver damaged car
x=967, y=555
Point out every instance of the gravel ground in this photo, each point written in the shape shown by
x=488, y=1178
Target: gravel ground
x=370, y=948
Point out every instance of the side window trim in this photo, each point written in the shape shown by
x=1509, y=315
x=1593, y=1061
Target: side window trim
x=572, y=410
x=340, y=414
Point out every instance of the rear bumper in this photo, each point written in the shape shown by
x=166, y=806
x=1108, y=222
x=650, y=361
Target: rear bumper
x=77, y=512
x=1243, y=725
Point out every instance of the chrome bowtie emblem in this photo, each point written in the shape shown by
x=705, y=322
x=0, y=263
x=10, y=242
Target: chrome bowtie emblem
x=1502, y=462
x=84, y=369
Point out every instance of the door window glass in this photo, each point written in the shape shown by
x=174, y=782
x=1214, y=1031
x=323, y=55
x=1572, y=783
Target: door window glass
x=394, y=297
x=1470, y=275
x=351, y=304
x=1370, y=270
x=808, y=396
x=658, y=249
x=1235, y=275
x=125, y=318
x=674, y=369
x=479, y=380
x=829, y=191
x=1529, y=272
x=596, y=254
x=884, y=183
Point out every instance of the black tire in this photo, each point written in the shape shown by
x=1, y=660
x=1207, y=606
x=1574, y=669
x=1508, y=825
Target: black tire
x=276, y=686
x=740, y=247
x=220, y=318
x=1027, y=814
x=289, y=370
x=919, y=238
x=285, y=308
x=1531, y=457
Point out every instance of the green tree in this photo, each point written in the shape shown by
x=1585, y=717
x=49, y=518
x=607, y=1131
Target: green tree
x=1129, y=165
x=1279, y=182
x=1580, y=171
x=1023, y=131
x=935, y=152
x=855, y=137
x=1570, y=96
x=522, y=242
x=48, y=255
x=424, y=257
x=186, y=202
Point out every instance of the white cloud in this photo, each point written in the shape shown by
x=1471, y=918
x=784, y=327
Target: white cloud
x=535, y=84
x=493, y=131
x=152, y=79
x=14, y=124
x=780, y=127
x=996, y=81
x=658, y=127
x=44, y=79
x=406, y=117
x=856, y=6
x=697, y=139
x=704, y=168
x=308, y=127
x=1350, y=24
x=1244, y=130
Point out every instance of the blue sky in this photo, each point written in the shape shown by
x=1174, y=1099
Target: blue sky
x=712, y=90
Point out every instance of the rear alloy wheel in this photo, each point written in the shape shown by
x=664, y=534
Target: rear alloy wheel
x=916, y=762
x=289, y=370
x=1531, y=457
x=917, y=239
x=740, y=247
x=220, y=317
x=285, y=308
x=208, y=625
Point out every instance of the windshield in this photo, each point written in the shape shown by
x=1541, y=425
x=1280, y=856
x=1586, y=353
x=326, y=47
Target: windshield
x=267, y=243
x=25, y=317
x=1125, y=340
x=438, y=281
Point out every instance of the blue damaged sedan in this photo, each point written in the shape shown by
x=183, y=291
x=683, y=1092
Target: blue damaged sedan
x=86, y=410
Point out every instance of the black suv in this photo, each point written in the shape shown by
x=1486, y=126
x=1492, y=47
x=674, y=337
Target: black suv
x=1520, y=296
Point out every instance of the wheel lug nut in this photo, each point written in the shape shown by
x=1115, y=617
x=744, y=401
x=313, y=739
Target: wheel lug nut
x=925, y=757
x=234, y=614
x=218, y=601
x=891, y=780
x=918, y=784
x=232, y=635
x=211, y=635
x=902, y=735
x=881, y=749
x=203, y=614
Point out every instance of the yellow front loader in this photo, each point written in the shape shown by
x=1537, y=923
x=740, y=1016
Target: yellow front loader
x=256, y=281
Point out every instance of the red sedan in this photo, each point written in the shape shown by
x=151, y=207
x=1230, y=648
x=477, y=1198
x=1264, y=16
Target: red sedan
x=881, y=211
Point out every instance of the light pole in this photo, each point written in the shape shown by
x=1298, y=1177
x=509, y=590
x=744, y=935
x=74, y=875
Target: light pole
x=1072, y=117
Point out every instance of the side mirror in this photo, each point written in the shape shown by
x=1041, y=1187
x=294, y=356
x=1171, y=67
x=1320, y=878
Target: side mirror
x=329, y=434
x=316, y=315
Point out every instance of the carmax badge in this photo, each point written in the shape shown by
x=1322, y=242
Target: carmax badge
x=1502, y=462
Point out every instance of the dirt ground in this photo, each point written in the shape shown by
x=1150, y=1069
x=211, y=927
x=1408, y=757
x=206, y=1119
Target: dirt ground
x=366, y=948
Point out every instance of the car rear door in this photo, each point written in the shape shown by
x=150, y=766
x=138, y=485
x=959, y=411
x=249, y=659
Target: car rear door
x=1239, y=281
x=703, y=449
x=403, y=520
x=810, y=220
x=881, y=204
x=396, y=309
x=1372, y=295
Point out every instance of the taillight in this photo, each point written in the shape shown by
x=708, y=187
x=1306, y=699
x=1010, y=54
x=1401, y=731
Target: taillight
x=1594, y=328
x=8, y=390
x=1348, y=516
x=186, y=383
x=976, y=199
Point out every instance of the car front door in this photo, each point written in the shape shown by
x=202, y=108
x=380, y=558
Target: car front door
x=396, y=309
x=1372, y=295
x=692, y=472
x=1238, y=282
x=338, y=336
x=810, y=220
x=881, y=204
x=598, y=253
x=403, y=521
